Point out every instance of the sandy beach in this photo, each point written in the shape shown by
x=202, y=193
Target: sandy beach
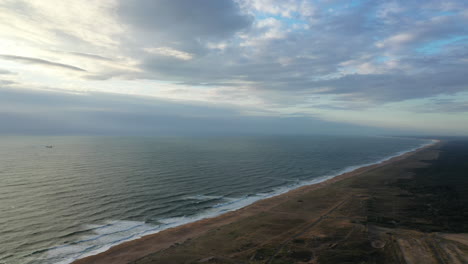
x=135, y=250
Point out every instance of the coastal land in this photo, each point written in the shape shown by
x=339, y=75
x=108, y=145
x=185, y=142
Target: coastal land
x=410, y=209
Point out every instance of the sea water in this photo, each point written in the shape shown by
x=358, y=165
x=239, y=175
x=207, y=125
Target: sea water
x=82, y=195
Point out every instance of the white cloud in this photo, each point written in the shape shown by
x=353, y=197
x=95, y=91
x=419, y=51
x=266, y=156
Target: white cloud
x=265, y=30
x=170, y=52
x=51, y=22
x=285, y=8
x=396, y=41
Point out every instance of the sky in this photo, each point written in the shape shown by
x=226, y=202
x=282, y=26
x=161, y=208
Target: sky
x=234, y=66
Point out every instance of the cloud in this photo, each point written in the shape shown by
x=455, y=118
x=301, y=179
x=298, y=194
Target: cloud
x=382, y=88
x=266, y=47
x=445, y=106
x=283, y=57
x=48, y=112
x=185, y=19
x=283, y=8
x=170, y=52
x=6, y=83
x=29, y=60
x=88, y=55
x=5, y=72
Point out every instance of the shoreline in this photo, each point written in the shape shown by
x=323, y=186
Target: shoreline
x=136, y=248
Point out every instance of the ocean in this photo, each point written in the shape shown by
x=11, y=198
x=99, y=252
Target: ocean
x=83, y=195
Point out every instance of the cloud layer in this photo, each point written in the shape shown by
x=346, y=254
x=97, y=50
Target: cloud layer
x=283, y=58
x=49, y=112
x=42, y=62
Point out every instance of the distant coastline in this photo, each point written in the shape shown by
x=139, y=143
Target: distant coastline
x=136, y=248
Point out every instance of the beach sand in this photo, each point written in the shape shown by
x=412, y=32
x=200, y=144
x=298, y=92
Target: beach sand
x=294, y=227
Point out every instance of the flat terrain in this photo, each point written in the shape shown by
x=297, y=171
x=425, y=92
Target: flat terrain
x=413, y=210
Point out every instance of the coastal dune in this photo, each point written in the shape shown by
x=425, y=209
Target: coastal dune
x=263, y=231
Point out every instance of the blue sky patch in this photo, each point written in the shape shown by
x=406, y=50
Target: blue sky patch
x=437, y=46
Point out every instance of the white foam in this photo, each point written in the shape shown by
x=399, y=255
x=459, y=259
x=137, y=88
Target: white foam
x=104, y=236
x=117, y=232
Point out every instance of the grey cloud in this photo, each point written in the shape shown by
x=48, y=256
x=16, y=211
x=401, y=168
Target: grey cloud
x=445, y=106
x=6, y=83
x=314, y=57
x=109, y=75
x=89, y=55
x=60, y=101
x=331, y=107
x=5, y=72
x=29, y=60
x=185, y=19
x=301, y=63
x=393, y=87
x=46, y=112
